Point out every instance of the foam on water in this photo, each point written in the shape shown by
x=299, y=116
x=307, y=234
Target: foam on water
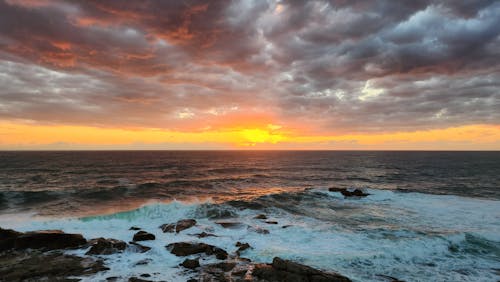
x=411, y=236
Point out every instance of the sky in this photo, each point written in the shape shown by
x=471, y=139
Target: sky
x=330, y=75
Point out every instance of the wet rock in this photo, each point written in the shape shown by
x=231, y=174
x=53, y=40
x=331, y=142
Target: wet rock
x=8, y=238
x=135, y=279
x=49, y=266
x=347, y=193
x=146, y=275
x=178, y=226
x=230, y=224
x=271, y=222
x=134, y=228
x=285, y=270
x=113, y=278
x=286, y=226
x=224, y=266
x=48, y=240
x=242, y=247
x=143, y=236
x=138, y=247
x=101, y=246
x=204, y=234
x=191, y=263
x=186, y=249
x=260, y=216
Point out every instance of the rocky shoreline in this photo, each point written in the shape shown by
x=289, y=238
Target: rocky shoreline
x=42, y=255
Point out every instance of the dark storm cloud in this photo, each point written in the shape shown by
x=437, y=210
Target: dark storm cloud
x=337, y=65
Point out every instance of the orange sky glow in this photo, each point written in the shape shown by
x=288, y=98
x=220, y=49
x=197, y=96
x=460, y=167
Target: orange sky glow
x=304, y=75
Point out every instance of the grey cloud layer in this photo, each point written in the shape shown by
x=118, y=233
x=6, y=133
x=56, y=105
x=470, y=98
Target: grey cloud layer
x=335, y=65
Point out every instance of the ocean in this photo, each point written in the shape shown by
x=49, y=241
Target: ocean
x=430, y=216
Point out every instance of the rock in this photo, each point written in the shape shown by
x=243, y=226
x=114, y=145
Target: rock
x=186, y=249
x=143, y=236
x=8, y=238
x=204, y=234
x=191, y=263
x=146, y=275
x=178, y=226
x=49, y=266
x=286, y=226
x=135, y=279
x=143, y=262
x=135, y=228
x=230, y=224
x=224, y=266
x=192, y=280
x=271, y=222
x=347, y=193
x=138, y=247
x=260, y=216
x=101, y=246
x=242, y=247
x=390, y=278
x=285, y=270
x=113, y=278
x=49, y=240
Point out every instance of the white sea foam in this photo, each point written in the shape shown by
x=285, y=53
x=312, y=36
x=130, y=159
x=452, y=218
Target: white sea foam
x=411, y=236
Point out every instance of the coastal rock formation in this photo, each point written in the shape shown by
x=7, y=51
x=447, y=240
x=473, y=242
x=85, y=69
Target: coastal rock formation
x=44, y=239
x=279, y=270
x=102, y=246
x=48, y=266
x=8, y=238
x=260, y=216
x=204, y=234
x=180, y=225
x=186, y=249
x=241, y=247
x=143, y=236
x=347, y=193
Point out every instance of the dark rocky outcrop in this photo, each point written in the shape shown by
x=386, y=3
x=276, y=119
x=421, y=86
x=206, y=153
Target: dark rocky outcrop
x=135, y=279
x=258, y=230
x=285, y=270
x=48, y=240
x=191, y=263
x=347, y=193
x=178, y=226
x=143, y=236
x=134, y=228
x=102, y=246
x=271, y=222
x=186, y=249
x=8, y=239
x=49, y=266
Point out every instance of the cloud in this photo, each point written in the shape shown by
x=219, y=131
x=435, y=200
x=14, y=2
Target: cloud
x=316, y=66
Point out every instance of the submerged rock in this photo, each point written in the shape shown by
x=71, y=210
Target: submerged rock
x=204, y=234
x=186, y=249
x=134, y=228
x=271, y=222
x=347, y=193
x=48, y=266
x=49, y=240
x=230, y=224
x=191, y=263
x=258, y=230
x=101, y=246
x=135, y=279
x=138, y=247
x=260, y=216
x=180, y=225
x=143, y=236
